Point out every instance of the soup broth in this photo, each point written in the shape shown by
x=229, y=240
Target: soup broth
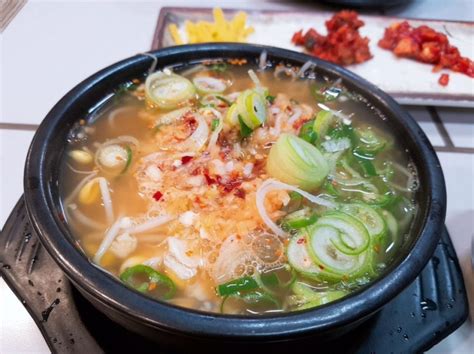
x=227, y=188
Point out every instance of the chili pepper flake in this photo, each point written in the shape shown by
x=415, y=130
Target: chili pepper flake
x=186, y=159
x=157, y=196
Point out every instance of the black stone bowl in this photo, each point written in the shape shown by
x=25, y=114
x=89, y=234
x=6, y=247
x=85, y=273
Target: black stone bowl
x=183, y=327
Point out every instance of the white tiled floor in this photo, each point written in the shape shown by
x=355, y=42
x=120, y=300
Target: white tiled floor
x=66, y=48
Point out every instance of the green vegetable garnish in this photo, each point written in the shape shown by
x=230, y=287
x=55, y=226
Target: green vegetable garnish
x=147, y=280
x=307, y=132
x=244, y=130
x=237, y=285
x=220, y=68
x=252, y=108
x=129, y=159
x=270, y=99
x=323, y=122
x=227, y=102
x=294, y=161
x=214, y=124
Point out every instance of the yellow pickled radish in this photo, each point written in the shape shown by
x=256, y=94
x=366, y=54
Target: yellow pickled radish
x=90, y=193
x=81, y=156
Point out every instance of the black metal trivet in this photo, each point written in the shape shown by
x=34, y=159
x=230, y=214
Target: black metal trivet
x=431, y=308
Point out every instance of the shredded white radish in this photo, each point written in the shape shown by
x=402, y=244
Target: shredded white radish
x=79, y=171
x=262, y=61
x=78, y=188
x=274, y=185
x=198, y=138
x=83, y=219
x=154, y=64
x=295, y=116
x=305, y=67
x=216, y=132
x=150, y=224
x=254, y=78
x=106, y=199
x=108, y=239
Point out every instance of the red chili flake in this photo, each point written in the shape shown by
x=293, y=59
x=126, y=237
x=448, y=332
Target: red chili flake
x=321, y=266
x=299, y=123
x=238, y=237
x=186, y=159
x=377, y=248
x=209, y=180
x=301, y=240
x=157, y=196
x=196, y=171
x=444, y=80
x=426, y=45
x=343, y=44
x=239, y=193
x=229, y=185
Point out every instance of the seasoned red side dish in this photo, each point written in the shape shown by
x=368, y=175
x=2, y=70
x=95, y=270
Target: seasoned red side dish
x=428, y=46
x=343, y=44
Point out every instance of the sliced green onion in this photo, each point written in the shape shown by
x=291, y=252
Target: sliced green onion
x=167, y=91
x=209, y=84
x=226, y=101
x=337, y=253
x=147, y=280
x=214, y=124
x=244, y=130
x=270, y=99
x=368, y=216
x=324, y=120
x=252, y=108
x=307, y=133
x=299, y=258
x=370, y=143
x=296, y=162
x=299, y=219
x=352, y=238
x=232, y=115
x=220, y=67
x=237, y=285
x=129, y=159
x=366, y=165
x=311, y=298
x=254, y=298
x=331, y=189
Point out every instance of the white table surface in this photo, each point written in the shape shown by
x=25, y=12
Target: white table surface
x=52, y=45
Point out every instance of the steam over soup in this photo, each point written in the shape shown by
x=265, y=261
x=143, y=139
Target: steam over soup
x=237, y=189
